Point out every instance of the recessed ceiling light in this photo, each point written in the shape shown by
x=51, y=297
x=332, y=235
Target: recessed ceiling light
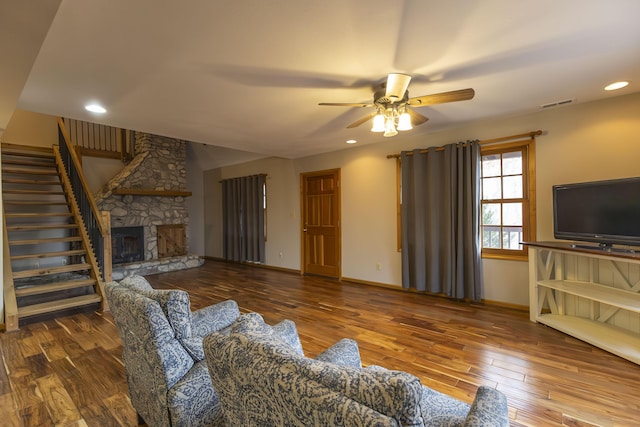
x=95, y=108
x=616, y=85
x=351, y=141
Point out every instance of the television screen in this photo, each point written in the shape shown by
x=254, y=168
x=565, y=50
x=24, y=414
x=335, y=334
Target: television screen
x=604, y=212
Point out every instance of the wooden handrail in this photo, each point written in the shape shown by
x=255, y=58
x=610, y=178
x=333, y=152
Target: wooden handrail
x=83, y=182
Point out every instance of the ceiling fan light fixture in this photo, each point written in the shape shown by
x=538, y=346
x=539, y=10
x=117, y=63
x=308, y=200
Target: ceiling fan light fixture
x=404, y=121
x=397, y=85
x=378, y=123
x=389, y=127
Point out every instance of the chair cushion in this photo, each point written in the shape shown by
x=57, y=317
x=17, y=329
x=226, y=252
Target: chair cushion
x=136, y=283
x=175, y=303
x=283, y=334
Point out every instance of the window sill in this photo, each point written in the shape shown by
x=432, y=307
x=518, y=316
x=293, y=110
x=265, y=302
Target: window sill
x=506, y=257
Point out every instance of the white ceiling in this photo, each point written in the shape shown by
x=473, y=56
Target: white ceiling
x=249, y=74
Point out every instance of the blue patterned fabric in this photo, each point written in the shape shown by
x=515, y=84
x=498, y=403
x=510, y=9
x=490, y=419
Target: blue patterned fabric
x=345, y=353
x=166, y=386
x=263, y=381
x=189, y=327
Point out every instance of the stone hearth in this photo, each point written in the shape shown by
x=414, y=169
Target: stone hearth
x=157, y=171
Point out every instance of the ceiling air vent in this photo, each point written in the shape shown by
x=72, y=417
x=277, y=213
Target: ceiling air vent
x=558, y=103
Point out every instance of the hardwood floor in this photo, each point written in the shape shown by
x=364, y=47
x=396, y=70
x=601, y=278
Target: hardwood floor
x=68, y=371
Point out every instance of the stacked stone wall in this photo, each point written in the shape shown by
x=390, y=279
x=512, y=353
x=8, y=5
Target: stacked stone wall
x=159, y=164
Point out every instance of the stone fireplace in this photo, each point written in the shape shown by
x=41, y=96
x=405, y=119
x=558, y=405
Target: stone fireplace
x=149, y=194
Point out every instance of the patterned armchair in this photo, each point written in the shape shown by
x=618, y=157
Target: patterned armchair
x=168, y=381
x=263, y=381
x=190, y=327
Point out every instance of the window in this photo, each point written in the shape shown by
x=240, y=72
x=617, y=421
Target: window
x=507, y=199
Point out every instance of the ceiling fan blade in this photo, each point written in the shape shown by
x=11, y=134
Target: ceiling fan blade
x=416, y=118
x=441, y=98
x=362, y=120
x=397, y=85
x=346, y=104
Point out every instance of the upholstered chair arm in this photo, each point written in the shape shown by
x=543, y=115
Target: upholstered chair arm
x=489, y=408
x=213, y=318
x=344, y=353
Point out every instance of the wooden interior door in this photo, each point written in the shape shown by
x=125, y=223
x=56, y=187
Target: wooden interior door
x=321, y=223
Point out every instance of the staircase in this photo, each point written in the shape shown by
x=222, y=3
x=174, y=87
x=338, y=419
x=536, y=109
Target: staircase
x=50, y=264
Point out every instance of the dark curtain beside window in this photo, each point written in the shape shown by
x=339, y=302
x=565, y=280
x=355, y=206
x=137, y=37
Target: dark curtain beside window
x=243, y=219
x=441, y=219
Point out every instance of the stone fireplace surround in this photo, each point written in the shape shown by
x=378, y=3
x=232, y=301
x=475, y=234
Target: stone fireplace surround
x=159, y=165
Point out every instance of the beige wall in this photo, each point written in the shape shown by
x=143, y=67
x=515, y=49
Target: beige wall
x=27, y=128
x=582, y=142
x=283, y=209
x=195, y=234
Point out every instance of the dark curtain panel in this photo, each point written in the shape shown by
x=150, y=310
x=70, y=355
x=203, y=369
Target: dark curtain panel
x=441, y=220
x=243, y=219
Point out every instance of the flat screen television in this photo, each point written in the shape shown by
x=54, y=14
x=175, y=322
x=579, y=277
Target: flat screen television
x=603, y=212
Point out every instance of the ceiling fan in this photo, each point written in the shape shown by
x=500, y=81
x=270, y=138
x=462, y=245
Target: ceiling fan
x=392, y=103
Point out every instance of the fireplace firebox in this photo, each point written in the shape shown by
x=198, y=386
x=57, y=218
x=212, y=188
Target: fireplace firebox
x=127, y=244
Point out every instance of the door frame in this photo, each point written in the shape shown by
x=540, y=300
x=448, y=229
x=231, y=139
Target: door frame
x=338, y=247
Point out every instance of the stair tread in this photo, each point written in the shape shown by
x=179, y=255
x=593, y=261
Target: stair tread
x=36, y=215
x=50, y=254
x=34, y=203
x=29, y=227
x=31, y=181
x=36, y=163
x=63, y=304
x=29, y=171
x=45, y=192
x=44, y=241
x=50, y=270
x=53, y=287
x=25, y=152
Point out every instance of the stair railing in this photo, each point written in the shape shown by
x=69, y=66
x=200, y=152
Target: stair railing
x=87, y=206
x=93, y=139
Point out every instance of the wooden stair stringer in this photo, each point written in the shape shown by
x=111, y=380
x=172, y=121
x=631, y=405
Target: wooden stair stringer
x=90, y=256
x=11, y=316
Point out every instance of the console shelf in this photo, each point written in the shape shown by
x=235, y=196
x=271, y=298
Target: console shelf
x=589, y=293
x=603, y=294
x=614, y=340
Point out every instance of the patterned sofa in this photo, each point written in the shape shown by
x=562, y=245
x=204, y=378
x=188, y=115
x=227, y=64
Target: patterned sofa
x=162, y=352
x=262, y=380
